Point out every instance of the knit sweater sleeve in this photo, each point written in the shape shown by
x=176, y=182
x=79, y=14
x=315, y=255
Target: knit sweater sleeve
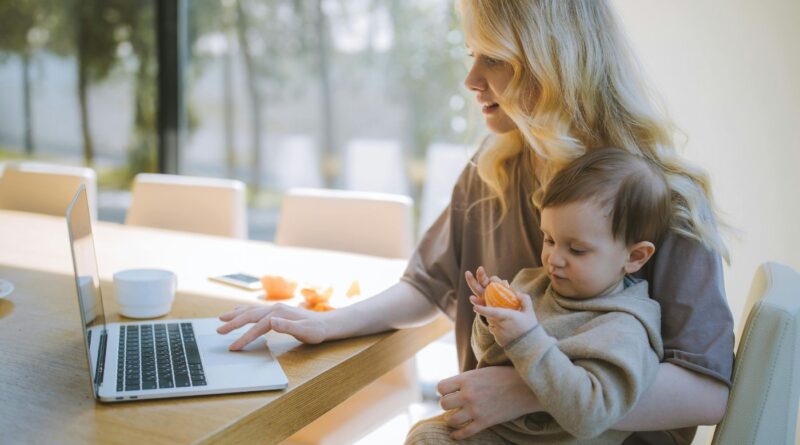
x=588, y=381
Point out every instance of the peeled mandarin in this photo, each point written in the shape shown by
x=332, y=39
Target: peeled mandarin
x=501, y=295
x=277, y=287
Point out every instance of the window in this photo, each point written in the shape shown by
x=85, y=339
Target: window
x=278, y=93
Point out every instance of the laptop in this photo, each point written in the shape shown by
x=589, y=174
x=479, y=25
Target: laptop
x=157, y=358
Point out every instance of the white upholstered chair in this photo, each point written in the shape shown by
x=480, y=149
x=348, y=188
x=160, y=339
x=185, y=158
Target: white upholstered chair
x=367, y=223
x=375, y=165
x=45, y=188
x=762, y=408
x=377, y=224
x=212, y=206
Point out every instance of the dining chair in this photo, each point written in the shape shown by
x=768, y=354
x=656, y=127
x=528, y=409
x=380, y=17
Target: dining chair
x=211, y=206
x=45, y=188
x=367, y=223
x=378, y=224
x=763, y=403
x=375, y=165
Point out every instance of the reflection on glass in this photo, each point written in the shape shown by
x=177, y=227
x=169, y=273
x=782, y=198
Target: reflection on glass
x=87, y=279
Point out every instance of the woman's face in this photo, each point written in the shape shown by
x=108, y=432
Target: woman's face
x=488, y=78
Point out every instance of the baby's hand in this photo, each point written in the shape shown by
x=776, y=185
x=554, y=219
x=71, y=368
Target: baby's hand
x=507, y=324
x=478, y=282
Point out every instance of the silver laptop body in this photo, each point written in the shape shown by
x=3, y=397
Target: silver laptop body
x=157, y=358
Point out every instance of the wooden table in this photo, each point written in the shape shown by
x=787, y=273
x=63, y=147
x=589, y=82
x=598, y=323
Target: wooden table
x=45, y=396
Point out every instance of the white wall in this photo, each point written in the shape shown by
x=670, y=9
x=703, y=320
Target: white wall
x=729, y=72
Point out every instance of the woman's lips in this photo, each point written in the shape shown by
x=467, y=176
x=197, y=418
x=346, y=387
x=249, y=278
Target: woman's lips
x=489, y=109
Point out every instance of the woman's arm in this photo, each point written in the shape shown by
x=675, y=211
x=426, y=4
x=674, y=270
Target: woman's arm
x=677, y=398
x=399, y=306
x=489, y=396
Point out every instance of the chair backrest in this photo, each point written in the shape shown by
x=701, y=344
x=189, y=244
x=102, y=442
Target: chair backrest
x=212, y=206
x=762, y=408
x=45, y=188
x=375, y=165
x=377, y=224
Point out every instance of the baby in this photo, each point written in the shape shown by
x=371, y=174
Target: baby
x=587, y=336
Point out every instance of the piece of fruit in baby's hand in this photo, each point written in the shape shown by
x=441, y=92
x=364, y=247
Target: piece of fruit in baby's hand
x=500, y=294
x=277, y=287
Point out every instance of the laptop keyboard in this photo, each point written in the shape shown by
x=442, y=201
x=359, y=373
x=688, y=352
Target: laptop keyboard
x=153, y=356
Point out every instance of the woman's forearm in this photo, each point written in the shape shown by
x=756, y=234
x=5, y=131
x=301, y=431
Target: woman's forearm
x=678, y=398
x=399, y=306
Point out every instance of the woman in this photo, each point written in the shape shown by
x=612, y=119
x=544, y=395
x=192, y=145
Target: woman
x=554, y=79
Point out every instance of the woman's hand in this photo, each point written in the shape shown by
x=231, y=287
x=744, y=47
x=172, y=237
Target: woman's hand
x=478, y=399
x=306, y=326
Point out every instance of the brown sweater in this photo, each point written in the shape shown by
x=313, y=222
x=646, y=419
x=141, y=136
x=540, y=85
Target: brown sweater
x=684, y=278
x=588, y=361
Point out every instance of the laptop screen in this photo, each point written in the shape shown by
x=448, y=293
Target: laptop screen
x=87, y=279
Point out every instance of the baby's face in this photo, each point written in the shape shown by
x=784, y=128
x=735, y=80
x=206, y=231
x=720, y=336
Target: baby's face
x=579, y=253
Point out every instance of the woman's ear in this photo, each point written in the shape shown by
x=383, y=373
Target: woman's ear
x=638, y=254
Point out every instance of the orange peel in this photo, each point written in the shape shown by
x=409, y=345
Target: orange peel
x=277, y=287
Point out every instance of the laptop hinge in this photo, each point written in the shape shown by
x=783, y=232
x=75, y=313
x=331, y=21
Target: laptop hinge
x=101, y=359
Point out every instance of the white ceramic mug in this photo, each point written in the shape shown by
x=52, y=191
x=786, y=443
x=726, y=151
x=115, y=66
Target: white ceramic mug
x=145, y=293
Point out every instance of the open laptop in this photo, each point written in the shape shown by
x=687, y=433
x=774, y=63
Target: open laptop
x=158, y=358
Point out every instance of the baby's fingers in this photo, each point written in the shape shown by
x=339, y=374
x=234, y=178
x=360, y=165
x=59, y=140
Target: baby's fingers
x=491, y=312
x=483, y=277
x=473, y=284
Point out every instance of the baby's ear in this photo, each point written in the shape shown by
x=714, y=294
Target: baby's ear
x=638, y=254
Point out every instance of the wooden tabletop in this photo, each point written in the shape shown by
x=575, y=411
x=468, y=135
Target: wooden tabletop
x=45, y=395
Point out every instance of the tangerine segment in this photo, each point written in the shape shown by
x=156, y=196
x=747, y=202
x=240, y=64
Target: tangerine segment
x=500, y=295
x=355, y=289
x=277, y=287
x=313, y=296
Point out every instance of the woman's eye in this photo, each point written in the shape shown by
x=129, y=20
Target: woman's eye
x=492, y=61
x=549, y=241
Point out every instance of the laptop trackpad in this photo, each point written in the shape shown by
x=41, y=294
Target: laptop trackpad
x=214, y=349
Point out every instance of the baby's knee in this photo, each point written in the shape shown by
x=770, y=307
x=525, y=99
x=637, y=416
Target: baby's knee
x=431, y=431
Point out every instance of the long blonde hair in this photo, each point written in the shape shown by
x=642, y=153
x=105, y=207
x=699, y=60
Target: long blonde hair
x=572, y=62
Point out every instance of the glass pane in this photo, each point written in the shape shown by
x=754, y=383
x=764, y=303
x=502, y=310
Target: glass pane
x=328, y=93
x=78, y=82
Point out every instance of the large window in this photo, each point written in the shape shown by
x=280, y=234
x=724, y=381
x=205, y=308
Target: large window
x=278, y=93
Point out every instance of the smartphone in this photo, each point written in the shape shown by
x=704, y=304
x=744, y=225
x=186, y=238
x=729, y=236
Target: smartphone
x=242, y=280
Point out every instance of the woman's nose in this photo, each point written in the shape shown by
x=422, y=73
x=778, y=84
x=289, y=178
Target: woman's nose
x=475, y=80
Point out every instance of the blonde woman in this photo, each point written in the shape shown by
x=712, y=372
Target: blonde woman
x=555, y=79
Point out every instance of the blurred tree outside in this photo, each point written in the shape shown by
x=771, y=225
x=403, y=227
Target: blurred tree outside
x=20, y=22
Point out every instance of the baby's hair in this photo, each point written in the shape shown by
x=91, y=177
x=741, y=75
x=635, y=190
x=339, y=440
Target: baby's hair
x=631, y=188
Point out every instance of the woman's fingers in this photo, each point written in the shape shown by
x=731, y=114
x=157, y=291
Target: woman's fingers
x=228, y=316
x=450, y=401
x=449, y=385
x=307, y=331
x=258, y=329
x=243, y=317
x=457, y=418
